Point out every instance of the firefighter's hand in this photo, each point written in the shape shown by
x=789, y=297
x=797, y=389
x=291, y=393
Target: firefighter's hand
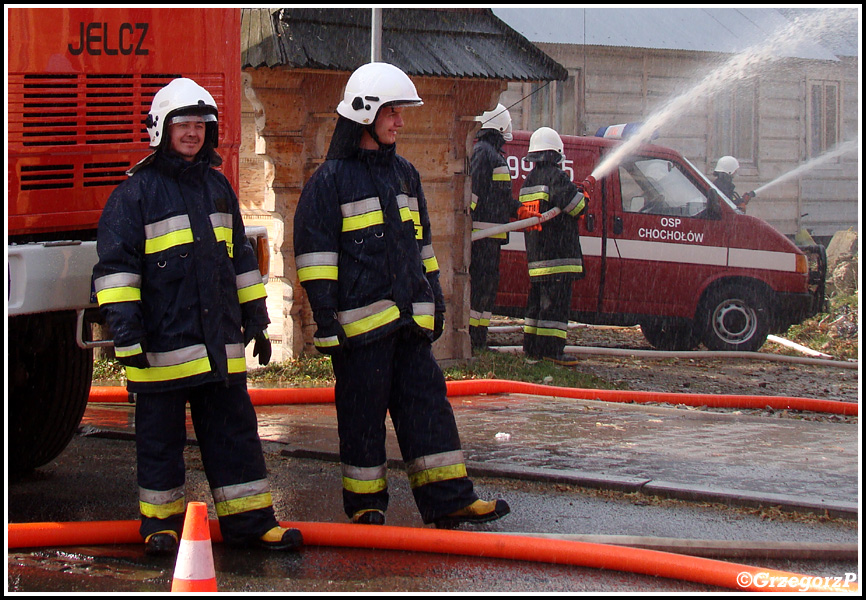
x=329, y=337
x=526, y=212
x=137, y=361
x=747, y=197
x=262, y=349
x=438, y=325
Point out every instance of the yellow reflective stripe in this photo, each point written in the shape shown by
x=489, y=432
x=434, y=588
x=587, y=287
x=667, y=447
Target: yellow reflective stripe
x=473, y=202
x=373, y=319
x=498, y=176
x=240, y=505
x=548, y=332
x=532, y=197
x=437, y=474
x=120, y=294
x=364, y=487
x=425, y=321
x=362, y=221
x=430, y=265
x=252, y=292
x=237, y=365
x=406, y=214
x=537, y=272
x=161, y=511
x=169, y=240
x=317, y=265
x=576, y=205
x=310, y=273
x=361, y=214
x=189, y=369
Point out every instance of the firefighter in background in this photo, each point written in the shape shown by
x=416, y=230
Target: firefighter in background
x=492, y=204
x=724, y=173
x=181, y=292
x=364, y=255
x=554, y=254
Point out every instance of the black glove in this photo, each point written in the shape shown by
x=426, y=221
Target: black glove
x=438, y=325
x=262, y=349
x=138, y=360
x=329, y=337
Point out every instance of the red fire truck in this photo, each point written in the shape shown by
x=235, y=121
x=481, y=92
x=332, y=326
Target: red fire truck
x=80, y=85
x=665, y=249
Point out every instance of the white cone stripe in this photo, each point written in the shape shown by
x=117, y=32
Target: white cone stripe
x=194, y=560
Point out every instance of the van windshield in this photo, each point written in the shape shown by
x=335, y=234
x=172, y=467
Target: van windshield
x=658, y=187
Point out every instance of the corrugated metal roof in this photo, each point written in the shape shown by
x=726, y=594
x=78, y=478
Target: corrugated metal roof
x=726, y=30
x=435, y=42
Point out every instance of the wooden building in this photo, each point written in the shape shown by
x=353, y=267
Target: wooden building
x=295, y=65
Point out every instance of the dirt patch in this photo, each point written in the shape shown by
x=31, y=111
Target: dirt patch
x=738, y=376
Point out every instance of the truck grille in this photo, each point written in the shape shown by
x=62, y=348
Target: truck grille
x=61, y=110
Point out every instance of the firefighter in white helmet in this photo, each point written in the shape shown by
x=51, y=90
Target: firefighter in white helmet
x=726, y=168
x=492, y=204
x=553, y=254
x=364, y=254
x=181, y=292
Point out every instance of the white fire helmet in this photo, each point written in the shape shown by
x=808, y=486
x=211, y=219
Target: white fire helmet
x=727, y=164
x=499, y=119
x=371, y=87
x=545, y=138
x=184, y=97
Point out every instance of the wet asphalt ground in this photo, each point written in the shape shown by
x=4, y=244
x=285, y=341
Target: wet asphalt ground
x=566, y=467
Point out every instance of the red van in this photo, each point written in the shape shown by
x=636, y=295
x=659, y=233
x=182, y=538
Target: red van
x=665, y=249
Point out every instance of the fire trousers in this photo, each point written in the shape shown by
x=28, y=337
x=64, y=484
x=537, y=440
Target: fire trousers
x=226, y=429
x=546, y=325
x=398, y=375
x=484, y=279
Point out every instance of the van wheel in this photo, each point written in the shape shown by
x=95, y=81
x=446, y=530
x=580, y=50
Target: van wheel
x=735, y=318
x=673, y=337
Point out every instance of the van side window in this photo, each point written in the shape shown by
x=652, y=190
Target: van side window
x=655, y=186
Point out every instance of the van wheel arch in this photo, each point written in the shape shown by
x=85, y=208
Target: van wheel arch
x=736, y=315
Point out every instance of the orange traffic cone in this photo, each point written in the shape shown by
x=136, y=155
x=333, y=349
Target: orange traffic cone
x=194, y=570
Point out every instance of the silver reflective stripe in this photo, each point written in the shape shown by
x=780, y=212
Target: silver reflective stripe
x=234, y=351
x=317, y=259
x=413, y=203
x=361, y=207
x=221, y=220
x=364, y=473
x=241, y=490
x=177, y=357
x=552, y=264
x=542, y=324
x=160, y=497
x=169, y=225
x=116, y=280
x=433, y=461
x=247, y=279
x=427, y=252
x=575, y=204
x=423, y=308
x=535, y=189
x=356, y=314
x=403, y=201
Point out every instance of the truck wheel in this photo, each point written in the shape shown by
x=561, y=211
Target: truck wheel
x=735, y=318
x=49, y=384
x=672, y=337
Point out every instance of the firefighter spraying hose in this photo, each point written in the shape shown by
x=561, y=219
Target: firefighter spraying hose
x=588, y=187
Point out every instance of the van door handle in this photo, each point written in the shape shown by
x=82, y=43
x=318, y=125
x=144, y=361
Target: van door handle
x=617, y=225
x=590, y=222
